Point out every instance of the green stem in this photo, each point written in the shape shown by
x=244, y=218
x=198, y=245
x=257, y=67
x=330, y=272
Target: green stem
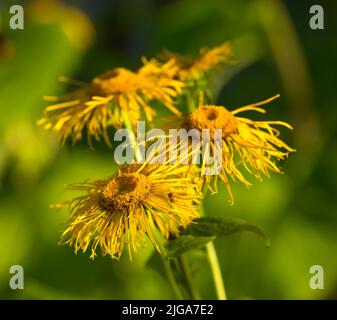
x=189, y=101
x=169, y=273
x=132, y=138
x=183, y=263
x=216, y=271
x=215, y=266
x=170, y=278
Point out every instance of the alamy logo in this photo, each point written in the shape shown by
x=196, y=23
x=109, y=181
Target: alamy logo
x=317, y=278
x=16, y=281
x=16, y=19
x=317, y=19
x=178, y=146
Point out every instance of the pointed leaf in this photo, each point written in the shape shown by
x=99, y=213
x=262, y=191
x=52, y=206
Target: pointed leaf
x=219, y=227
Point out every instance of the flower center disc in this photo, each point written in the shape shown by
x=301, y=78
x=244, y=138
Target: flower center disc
x=211, y=117
x=115, y=81
x=125, y=191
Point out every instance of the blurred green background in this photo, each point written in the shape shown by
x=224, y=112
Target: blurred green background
x=276, y=52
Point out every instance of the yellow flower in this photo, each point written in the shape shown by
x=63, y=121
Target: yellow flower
x=114, y=98
x=248, y=144
x=125, y=208
x=208, y=59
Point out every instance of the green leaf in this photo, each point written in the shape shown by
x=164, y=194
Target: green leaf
x=219, y=227
x=185, y=243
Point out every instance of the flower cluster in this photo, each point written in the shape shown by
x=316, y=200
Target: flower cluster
x=144, y=198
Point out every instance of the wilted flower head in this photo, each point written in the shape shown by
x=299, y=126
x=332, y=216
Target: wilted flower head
x=246, y=144
x=193, y=69
x=122, y=210
x=114, y=98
